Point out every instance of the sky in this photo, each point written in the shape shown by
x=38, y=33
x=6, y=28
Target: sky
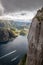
x=19, y=9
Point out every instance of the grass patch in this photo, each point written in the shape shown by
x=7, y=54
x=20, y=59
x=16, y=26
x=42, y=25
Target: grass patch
x=23, y=61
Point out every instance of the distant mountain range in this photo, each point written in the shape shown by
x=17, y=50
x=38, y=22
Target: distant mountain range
x=14, y=24
x=4, y=23
x=20, y=25
x=6, y=28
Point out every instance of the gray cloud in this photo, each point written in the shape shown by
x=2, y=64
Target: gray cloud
x=1, y=9
x=18, y=5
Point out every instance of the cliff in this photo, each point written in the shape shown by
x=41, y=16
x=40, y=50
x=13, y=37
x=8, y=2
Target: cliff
x=35, y=40
x=6, y=35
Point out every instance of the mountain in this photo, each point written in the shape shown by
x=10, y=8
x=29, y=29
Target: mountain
x=5, y=32
x=4, y=24
x=19, y=25
x=14, y=24
x=7, y=27
x=4, y=35
x=35, y=40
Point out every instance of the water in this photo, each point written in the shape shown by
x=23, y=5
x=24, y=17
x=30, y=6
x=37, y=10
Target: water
x=12, y=51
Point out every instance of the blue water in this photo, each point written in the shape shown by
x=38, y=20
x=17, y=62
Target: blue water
x=12, y=51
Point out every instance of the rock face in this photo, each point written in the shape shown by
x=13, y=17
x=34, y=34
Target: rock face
x=35, y=40
x=4, y=35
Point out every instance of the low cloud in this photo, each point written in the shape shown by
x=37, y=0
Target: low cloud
x=9, y=6
x=22, y=15
x=1, y=9
x=18, y=15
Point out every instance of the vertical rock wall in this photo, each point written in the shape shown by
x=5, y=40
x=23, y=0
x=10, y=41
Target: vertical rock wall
x=35, y=40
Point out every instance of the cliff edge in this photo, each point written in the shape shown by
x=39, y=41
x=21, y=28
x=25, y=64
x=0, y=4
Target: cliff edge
x=35, y=40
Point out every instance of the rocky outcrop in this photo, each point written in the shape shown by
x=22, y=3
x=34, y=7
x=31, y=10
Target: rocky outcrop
x=4, y=35
x=35, y=40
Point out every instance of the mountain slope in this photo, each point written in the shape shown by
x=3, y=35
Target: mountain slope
x=4, y=24
x=5, y=31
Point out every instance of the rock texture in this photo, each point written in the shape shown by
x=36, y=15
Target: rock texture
x=35, y=40
x=4, y=35
x=6, y=32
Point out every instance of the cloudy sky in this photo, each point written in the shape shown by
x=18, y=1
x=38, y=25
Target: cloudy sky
x=19, y=9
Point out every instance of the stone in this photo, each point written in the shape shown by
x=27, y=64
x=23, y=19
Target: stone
x=35, y=42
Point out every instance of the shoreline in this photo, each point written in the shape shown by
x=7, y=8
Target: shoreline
x=10, y=39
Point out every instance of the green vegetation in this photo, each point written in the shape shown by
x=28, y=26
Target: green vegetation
x=23, y=32
x=6, y=35
x=23, y=61
x=40, y=18
x=39, y=15
x=9, y=30
x=19, y=32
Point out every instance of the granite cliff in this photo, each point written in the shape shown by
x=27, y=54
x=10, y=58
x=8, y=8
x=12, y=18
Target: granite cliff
x=35, y=40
